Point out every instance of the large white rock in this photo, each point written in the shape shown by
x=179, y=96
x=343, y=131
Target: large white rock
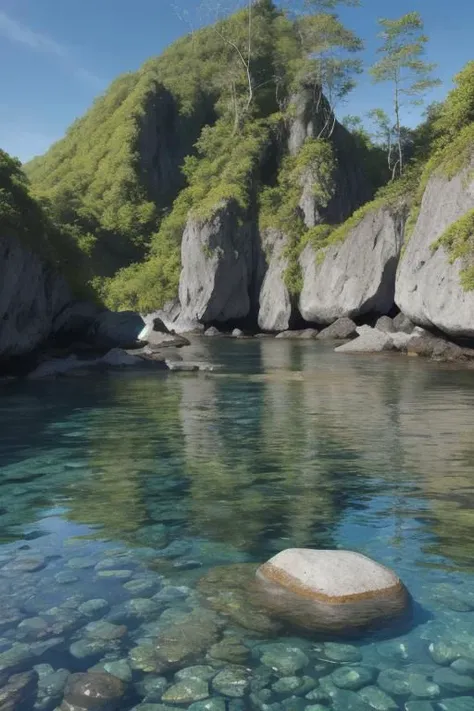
x=355, y=277
x=428, y=287
x=274, y=302
x=330, y=589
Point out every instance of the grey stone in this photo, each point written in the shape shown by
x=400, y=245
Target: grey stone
x=212, y=331
x=419, y=706
x=275, y=308
x=141, y=586
x=217, y=703
x=342, y=652
x=444, y=652
x=94, y=608
x=104, y=630
x=461, y=703
x=422, y=688
x=385, y=324
x=294, y=703
x=285, y=659
x=402, y=323
x=343, y=700
x=187, y=691
x=356, y=276
x=152, y=687
x=370, y=340
x=450, y=680
x=395, y=681
x=232, y=681
x=352, y=678
x=237, y=333
x=463, y=666
x=117, y=574
x=65, y=578
x=93, y=692
x=197, y=672
x=377, y=699
x=32, y=294
x=119, y=668
x=340, y=330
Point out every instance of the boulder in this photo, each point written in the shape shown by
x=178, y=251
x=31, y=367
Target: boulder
x=402, y=323
x=308, y=333
x=356, y=276
x=425, y=344
x=428, y=287
x=93, y=691
x=385, y=324
x=32, y=295
x=162, y=339
x=331, y=590
x=172, y=319
x=212, y=332
x=340, y=330
x=219, y=260
x=274, y=301
x=74, y=321
x=370, y=340
x=237, y=333
x=289, y=334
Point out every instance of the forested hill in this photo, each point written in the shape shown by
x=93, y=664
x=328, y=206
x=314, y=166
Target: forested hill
x=116, y=179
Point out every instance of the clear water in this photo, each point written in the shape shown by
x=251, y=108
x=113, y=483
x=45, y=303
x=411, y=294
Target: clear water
x=288, y=445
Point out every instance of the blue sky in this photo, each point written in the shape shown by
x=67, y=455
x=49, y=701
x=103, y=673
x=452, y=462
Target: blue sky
x=57, y=55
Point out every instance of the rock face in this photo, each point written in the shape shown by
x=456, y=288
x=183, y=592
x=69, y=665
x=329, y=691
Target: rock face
x=357, y=276
x=428, y=288
x=219, y=265
x=331, y=590
x=274, y=302
x=31, y=296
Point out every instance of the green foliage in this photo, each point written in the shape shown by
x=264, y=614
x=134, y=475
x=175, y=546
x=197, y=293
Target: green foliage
x=458, y=241
x=279, y=205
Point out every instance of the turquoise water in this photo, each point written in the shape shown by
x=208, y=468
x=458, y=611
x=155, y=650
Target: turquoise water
x=154, y=495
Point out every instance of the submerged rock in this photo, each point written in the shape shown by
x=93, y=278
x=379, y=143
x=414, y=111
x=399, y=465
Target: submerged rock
x=186, y=691
x=93, y=692
x=19, y=692
x=330, y=590
x=232, y=681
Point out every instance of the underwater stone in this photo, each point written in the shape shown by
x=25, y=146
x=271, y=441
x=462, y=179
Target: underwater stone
x=185, y=692
x=19, y=692
x=104, y=630
x=141, y=586
x=93, y=691
x=230, y=650
x=461, y=703
x=443, y=652
x=117, y=574
x=422, y=688
x=330, y=590
x=284, y=659
x=215, y=704
x=294, y=703
x=377, y=699
x=395, y=682
x=233, y=682
x=352, y=678
x=342, y=652
x=197, y=672
x=452, y=681
x=463, y=666
x=152, y=687
x=91, y=608
x=343, y=700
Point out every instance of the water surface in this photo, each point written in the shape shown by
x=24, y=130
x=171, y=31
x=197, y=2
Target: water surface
x=167, y=477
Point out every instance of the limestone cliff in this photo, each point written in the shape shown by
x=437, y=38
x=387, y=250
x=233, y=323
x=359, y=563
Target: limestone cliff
x=32, y=294
x=356, y=276
x=429, y=288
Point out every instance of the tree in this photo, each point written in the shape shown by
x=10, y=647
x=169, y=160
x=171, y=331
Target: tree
x=402, y=64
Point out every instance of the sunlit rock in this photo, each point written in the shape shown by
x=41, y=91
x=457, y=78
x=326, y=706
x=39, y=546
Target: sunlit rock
x=330, y=589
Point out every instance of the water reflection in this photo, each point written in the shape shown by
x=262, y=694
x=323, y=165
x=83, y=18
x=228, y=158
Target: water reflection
x=289, y=444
